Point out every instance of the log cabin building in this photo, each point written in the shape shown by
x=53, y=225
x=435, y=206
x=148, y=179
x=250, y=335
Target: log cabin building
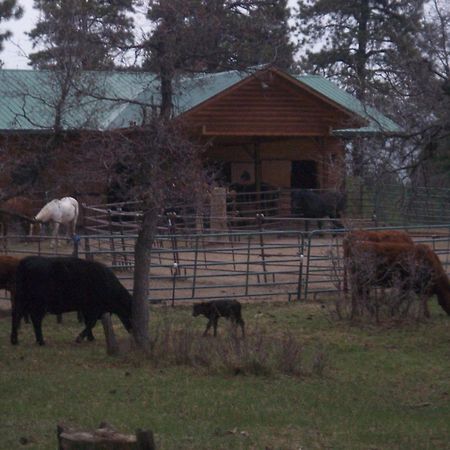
x=263, y=126
x=284, y=130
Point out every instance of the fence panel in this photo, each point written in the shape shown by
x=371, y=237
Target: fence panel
x=212, y=266
x=325, y=264
x=259, y=264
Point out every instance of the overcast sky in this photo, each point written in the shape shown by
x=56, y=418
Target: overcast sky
x=18, y=47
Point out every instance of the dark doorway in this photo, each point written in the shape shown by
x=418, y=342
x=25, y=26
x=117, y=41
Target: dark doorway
x=304, y=174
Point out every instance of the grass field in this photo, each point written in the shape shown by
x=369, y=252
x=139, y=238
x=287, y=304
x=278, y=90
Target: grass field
x=382, y=387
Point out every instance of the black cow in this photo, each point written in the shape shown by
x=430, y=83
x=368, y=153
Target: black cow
x=316, y=205
x=62, y=284
x=230, y=309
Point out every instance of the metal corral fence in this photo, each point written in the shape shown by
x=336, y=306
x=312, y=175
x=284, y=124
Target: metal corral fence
x=209, y=266
x=382, y=205
x=264, y=264
x=324, y=255
x=292, y=265
x=397, y=205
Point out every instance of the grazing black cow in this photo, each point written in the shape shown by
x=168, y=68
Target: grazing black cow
x=58, y=285
x=230, y=309
x=316, y=205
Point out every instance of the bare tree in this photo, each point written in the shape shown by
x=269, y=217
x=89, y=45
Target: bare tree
x=162, y=165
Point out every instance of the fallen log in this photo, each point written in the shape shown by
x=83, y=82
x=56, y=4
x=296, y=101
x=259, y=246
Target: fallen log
x=103, y=438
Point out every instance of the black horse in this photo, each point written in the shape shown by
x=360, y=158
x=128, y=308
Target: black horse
x=319, y=204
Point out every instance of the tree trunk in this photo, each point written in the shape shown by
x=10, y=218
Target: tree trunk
x=142, y=255
x=112, y=347
x=361, y=52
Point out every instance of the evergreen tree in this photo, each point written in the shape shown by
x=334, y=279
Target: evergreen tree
x=428, y=106
x=88, y=34
x=214, y=35
x=9, y=9
x=360, y=40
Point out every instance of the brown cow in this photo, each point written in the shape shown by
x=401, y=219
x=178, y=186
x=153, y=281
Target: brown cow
x=356, y=236
x=414, y=266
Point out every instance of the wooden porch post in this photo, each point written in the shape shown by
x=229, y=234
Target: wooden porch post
x=258, y=165
x=258, y=173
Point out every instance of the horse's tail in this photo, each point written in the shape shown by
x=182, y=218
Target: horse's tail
x=77, y=210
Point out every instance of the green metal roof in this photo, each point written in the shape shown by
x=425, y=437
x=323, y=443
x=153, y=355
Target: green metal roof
x=378, y=123
x=29, y=99
x=112, y=100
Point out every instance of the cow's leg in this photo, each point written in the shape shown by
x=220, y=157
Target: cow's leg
x=346, y=272
x=90, y=336
x=90, y=323
x=426, y=311
x=208, y=326
x=15, y=324
x=242, y=325
x=319, y=227
x=215, y=320
x=36, y=320
x=337, y=222
x=13, y=301
x=87, y=332
x=357, y=293
x=81, y=336
x=235, y=321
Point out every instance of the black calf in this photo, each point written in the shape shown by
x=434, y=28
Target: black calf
x=230, y=309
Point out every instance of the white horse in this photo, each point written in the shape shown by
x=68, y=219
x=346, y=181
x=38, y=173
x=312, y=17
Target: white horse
x=63, y=211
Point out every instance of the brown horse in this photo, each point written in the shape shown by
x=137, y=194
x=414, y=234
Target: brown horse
x=17, y=210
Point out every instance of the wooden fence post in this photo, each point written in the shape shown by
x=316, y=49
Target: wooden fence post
x=218, y=219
